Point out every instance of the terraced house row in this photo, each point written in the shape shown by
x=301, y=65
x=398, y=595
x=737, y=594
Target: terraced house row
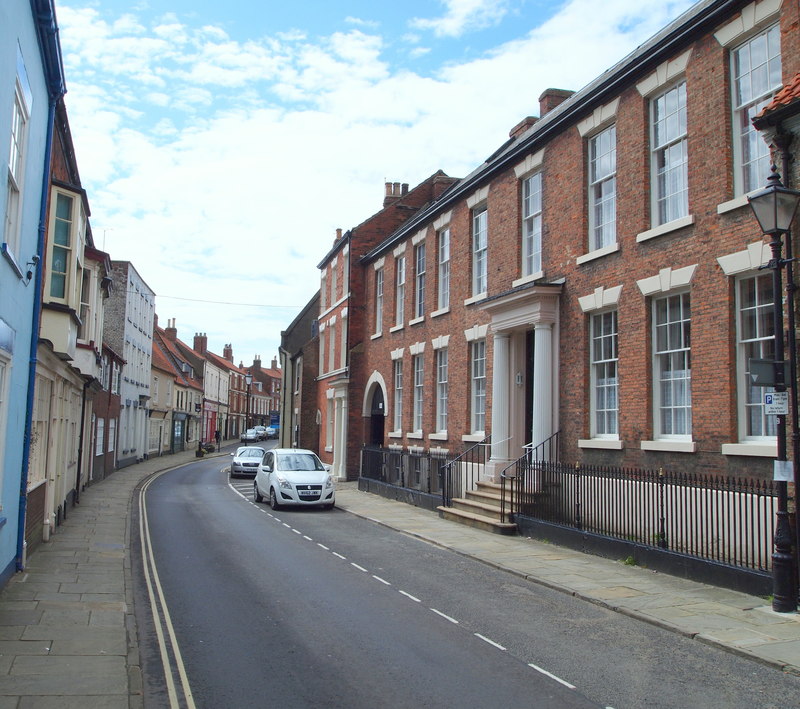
x=598, y=281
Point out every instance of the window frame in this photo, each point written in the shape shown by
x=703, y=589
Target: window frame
x=532, y=209
x=602, y=362
x=477, y=387
x=673, y=205
x=397, y=403
x=379, y=285
x=419, y=279
x=659, y=356
x=480, y=250
x=743, y=110
x=443, y=260
x=442, y=389
x=418, y=364
x=17, y=158
x=400, y=290
x=602, y=235
x=749, y=397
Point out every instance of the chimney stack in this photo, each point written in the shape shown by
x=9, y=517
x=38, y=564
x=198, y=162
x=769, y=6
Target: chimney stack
x=171, y=332
x=257, y=362
x=200, y=342
x=551, y=98
x=522, y=126
x=394, y=192
x=274, y=363
x=227, y=353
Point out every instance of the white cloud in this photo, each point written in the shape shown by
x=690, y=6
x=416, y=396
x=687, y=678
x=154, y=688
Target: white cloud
x=463, y=16
x=221, y=168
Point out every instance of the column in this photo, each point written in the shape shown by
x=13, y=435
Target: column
x=542, y=383
x=501, y=401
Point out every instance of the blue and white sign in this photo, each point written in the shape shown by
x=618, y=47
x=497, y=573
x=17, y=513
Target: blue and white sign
x=776, y=403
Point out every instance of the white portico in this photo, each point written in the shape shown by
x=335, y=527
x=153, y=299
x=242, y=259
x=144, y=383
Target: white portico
x=525, y=362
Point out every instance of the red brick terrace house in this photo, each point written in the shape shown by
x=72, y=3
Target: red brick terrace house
x=597, y=277
x=343, y=331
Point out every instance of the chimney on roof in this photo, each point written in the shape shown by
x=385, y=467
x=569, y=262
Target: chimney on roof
x=522, y=126
x=257, y=362
x=274, y=363
x=338, y=236
x=200, y=342
x=171, y=332
x=394, y=192
x=227, y=353
x=551, y=98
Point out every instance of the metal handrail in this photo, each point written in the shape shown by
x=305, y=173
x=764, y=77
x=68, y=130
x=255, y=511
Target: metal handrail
x=447, y=470
x=533, y=452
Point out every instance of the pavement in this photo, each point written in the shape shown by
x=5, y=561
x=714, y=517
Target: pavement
x=68, y=636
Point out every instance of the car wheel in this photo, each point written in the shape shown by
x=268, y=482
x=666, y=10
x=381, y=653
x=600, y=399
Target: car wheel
x=273, y=499
x=256, y=494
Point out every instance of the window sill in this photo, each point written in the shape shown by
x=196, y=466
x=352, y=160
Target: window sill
x=473, y=437
x=760, y=450
x=329, y=449
x=731, y=205
x=416, y=435
x=527, y=279
x=376, y=336
x=475, y=298
x=11, y=260
x=395, y=434
x=443, y=311
x=440, y=436
x=416, y=321
x=667, y=228
x=605, y=443
x=669, y=446
x=598, y=253
x=396, y=328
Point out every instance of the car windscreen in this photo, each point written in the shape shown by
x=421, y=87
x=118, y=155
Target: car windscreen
x=299, y=461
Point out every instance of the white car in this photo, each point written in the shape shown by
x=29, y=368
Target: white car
x=293, y=476
x=245, y=461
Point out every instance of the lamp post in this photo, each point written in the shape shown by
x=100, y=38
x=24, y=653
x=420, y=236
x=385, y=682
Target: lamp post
x=774, y=207
x=248, y=380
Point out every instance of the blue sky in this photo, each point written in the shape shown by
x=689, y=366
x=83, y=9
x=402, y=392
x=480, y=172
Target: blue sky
x=223, y=143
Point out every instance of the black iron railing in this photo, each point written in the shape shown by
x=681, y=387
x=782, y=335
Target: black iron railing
x=461, y=474
x=723, y=519
x=513, y=476
x=416, y=470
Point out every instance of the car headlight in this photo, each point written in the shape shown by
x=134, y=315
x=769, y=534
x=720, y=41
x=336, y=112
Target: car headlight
x=329, y=482
x=284, y=484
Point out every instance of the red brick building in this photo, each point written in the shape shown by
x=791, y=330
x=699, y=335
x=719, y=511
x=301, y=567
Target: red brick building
x=597, y=277
x=343, y=332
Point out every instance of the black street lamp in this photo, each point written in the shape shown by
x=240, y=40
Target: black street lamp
x=774, y=207
x=248, y=379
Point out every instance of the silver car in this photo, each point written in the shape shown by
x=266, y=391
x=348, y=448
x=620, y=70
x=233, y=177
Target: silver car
x=293, y=476
x=245, y=460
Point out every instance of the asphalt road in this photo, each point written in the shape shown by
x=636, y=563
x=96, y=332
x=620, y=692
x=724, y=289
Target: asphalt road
x=307, y=608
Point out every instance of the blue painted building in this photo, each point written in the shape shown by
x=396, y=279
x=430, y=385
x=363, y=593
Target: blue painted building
x=31, y=82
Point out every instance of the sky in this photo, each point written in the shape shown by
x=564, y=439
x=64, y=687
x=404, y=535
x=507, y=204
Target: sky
x=221, y=144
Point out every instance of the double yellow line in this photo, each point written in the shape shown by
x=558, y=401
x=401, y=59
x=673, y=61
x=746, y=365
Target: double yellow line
x=172, y=662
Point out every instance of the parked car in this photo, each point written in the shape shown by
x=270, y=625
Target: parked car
x=250, y=435
x=293, y=476
x=270, y=432
x=262, y=432
x=245, y=460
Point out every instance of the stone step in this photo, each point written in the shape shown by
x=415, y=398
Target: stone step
x=476, y=520
x=478, y=505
